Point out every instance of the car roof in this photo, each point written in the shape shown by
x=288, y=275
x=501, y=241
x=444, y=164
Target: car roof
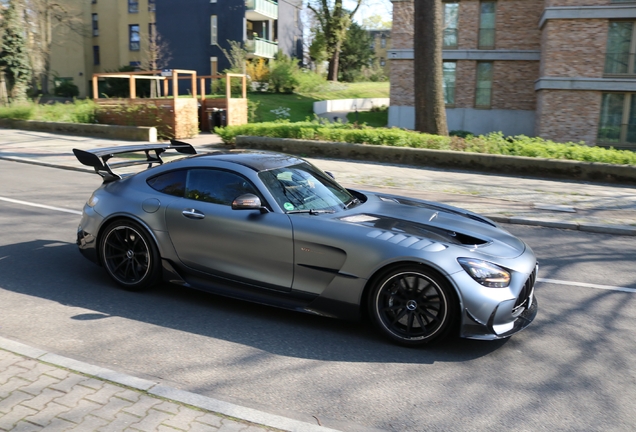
x=258, y=160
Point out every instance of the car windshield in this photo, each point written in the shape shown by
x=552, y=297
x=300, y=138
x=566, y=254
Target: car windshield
x=303, y=187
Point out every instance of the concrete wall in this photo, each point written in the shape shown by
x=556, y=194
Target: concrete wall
x=364, y=104
x=477, y=121
x=129, y=133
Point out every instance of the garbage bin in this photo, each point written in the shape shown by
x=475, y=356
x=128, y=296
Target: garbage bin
x=217, y=117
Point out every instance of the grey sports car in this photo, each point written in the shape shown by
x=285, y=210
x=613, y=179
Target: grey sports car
x=274, y=229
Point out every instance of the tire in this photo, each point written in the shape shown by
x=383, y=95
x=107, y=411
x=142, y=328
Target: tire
x=129, y=255
x=412, y=305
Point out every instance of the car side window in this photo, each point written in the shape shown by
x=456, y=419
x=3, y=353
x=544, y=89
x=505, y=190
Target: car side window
x=171, y=183
x=216, y=186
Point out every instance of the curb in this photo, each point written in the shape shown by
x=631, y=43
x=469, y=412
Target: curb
x=156, y=389
x=128, y=133
x=593, y=228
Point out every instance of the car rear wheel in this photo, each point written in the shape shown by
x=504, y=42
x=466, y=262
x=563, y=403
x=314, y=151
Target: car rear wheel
x=412, y=305
x=129, y=255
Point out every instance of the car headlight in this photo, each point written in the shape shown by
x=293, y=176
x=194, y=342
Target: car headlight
x=487, y=274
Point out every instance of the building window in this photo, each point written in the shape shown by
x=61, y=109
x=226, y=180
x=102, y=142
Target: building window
x=483, y=90
x=383, y=42
x=618, y=118
x=93, y=1
x=133, y=6
x=451, y=15
x=95, y=25
x=136, y=65
x=96, y=55
x=621, y=48
x=382, y=62
x=133, y=37
x=487, y=25
x=449, y=73
x=152, y=6
x=214, y=32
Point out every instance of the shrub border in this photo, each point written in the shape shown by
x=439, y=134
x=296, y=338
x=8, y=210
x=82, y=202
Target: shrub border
x=499, y=164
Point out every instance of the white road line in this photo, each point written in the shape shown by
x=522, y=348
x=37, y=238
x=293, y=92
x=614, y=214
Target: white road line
x=75, y=212
x=587, y=285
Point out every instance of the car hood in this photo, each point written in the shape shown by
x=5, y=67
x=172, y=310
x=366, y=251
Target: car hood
x=388, y=216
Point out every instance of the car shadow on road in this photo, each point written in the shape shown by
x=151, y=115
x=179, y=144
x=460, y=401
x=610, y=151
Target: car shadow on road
x=64, y=276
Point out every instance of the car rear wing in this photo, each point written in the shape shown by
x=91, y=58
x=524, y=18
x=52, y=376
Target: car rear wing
x=99, y=158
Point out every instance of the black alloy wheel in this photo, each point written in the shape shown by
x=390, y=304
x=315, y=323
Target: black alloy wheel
x=413, y=305
x=129, y=255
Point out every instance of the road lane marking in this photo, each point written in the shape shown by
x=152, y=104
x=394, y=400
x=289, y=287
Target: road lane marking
x=14, y=201
x=587, y=285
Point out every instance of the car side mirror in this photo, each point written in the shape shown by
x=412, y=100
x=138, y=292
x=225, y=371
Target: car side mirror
x=248, y=202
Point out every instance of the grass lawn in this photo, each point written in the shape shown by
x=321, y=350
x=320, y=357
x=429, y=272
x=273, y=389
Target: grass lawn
x=370, y=118
x=301, y=104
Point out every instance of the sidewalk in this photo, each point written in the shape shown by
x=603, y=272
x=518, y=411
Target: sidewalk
x=40, y=391
x=43, y=391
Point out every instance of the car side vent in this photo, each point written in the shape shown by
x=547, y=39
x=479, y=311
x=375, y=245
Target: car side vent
x=408, y=241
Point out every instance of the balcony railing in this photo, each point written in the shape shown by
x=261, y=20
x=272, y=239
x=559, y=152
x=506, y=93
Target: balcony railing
x=261, y=47
x=266, y=8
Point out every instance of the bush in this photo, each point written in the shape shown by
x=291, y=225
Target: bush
x=283, y=74
x=494, y=143
x=309, y=82
x=66, y=89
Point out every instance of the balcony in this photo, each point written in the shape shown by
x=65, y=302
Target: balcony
x=261, y=10
x=258, y=47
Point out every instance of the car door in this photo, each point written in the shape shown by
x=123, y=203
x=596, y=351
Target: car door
x=242, y=245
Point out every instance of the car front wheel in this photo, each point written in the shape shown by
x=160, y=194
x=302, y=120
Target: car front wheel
x=412, y=305
x=129, y=255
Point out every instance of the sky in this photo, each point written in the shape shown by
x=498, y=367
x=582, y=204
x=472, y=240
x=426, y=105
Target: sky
x=371, y=7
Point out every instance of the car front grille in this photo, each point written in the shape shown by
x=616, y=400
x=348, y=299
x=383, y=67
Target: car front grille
x=523, y=301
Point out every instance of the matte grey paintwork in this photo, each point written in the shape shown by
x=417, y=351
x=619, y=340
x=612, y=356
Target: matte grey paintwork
x=317, y=263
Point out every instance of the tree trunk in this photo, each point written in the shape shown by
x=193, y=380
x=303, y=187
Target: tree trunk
x=334, y=61
x=430, y=110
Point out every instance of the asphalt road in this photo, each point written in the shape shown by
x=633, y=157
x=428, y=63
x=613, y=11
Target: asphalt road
x=573, y=369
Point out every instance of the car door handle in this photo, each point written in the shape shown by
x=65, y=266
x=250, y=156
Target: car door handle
x=193, y=214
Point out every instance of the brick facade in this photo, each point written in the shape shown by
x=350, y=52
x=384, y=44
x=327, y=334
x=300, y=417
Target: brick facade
x=568, y=115
x=555, y=70
x=402, y=83
x=513, y=85
x=574, y=48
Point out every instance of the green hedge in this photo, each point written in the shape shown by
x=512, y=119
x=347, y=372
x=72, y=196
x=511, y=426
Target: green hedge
x=494, y=143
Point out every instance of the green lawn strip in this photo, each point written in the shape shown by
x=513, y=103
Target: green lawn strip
x=370, y=118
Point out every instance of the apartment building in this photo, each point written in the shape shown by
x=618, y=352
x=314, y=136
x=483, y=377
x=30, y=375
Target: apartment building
x=559, y=69
x=119, y=33
x=199, y=30
x=381, y=45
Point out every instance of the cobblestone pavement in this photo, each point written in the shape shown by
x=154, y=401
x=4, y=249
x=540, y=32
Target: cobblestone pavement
x=41, y=391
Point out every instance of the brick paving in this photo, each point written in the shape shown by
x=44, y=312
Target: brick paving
x=35, y=396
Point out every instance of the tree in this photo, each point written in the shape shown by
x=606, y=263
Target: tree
x=430, y=110
x=376, y=22
x=356, y=52
x=334, y=21
x=14, y=53
x=156, y=56
x=42, y=19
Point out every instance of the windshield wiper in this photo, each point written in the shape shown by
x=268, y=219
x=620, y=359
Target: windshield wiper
x=355, y=201
x=310, y=211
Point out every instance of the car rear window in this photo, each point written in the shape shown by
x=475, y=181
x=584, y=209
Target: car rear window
x=171, y=183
